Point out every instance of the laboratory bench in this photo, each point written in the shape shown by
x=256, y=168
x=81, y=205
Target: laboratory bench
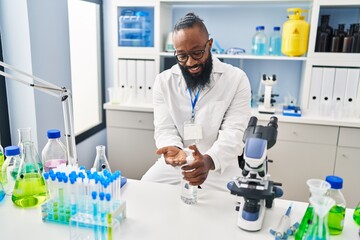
x=155, y=211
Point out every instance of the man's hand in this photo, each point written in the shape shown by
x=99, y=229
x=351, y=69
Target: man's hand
x=197, y=172
x=173, y=155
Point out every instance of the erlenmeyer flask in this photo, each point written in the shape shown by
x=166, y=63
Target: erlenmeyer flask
x=2, y=192
x=30, y=188
x=24, y=137
x=319, y=230
x=101, y=163
x=317, y=188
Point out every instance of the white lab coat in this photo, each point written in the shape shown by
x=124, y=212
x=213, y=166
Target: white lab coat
x=223, y=110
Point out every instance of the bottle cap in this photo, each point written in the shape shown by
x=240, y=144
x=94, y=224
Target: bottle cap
x=276, y=28
x=53, y=133
x=12, y=151
x=335, y=181
x=258, y=28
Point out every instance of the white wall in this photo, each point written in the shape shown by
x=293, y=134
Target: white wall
x=35, y=37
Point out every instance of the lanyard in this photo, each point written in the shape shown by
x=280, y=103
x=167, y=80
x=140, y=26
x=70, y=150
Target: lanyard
x=193, y=103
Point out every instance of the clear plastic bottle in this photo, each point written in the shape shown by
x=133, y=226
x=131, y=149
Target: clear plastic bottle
x=188, y=192
x=275, y=42
x=10, y=168
x=101, y=163
x=54, y=152
x=337, y=213
x=259, y=41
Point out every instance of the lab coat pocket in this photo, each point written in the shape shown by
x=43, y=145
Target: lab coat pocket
x=212, y=114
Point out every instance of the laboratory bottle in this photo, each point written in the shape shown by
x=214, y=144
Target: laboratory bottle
x=54, y=153
x=2, y=192
x=336, y=216
x=356, y=215
x=324, y=35
x=348, y=40
x=2, y=159
x=188, y=192
x=338, y=39
x=275, y=42
x=101, y=163
x=259, y=41
x=30, y=188
x=318, y=188
x=295, y=34
x=25, y=138
x=355, y=48
x=10, y=168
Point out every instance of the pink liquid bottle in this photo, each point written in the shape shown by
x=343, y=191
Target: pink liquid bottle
x=54, y=152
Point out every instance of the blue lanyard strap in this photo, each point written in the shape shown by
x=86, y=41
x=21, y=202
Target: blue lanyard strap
x=193, y=103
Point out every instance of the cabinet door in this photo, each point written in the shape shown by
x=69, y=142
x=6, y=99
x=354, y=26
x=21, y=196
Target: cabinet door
x=348, y=167
x=296, y=162
x=132, y=151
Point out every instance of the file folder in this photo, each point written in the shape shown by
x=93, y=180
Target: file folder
x=122, y=74
x=131, y=84
x=352, y=93
x=340, y=85
x=140, y=80
x=150, y=75
x=315, y=89
x=327, y=88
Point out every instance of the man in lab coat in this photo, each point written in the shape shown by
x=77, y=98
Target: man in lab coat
x=200, y=103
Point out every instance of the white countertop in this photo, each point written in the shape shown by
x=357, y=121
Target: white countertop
x=305, y=119
x=155, y=211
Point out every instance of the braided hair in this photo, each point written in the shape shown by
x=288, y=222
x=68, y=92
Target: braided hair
x=190, y=20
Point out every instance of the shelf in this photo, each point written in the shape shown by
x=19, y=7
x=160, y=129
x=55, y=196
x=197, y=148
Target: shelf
x=246, y=56
x=252, y=2
x=136, y=52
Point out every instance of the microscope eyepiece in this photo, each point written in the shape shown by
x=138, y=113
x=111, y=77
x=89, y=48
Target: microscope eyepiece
x=252, y=122
x=273, y=122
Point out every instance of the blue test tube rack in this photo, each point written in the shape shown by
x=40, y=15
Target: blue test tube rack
x=84, y=199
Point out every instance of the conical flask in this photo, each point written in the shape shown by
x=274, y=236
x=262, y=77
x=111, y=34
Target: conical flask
x=25, y=137
x=101, y=163
x=30, y=187
x=317, y=188
x=319, y=230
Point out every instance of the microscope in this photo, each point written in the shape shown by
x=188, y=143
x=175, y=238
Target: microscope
x=267, y=99
x=254, y=187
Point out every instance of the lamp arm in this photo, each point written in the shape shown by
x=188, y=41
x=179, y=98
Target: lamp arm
x=53, y=90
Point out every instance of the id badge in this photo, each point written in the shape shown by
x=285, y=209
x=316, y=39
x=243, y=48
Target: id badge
x=192, y=131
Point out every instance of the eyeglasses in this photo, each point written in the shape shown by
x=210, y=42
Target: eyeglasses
x=196, y=54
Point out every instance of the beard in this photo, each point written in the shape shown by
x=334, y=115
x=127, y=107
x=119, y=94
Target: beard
x=201, y=79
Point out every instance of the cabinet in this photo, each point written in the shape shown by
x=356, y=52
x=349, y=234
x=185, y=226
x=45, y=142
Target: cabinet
x=130, y=140
x=302, y=151
x=348, y=164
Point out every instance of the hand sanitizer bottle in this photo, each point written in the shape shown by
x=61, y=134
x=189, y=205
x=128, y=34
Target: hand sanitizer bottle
x=188, y=192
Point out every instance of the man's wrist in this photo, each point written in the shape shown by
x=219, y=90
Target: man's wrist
x=209, y=161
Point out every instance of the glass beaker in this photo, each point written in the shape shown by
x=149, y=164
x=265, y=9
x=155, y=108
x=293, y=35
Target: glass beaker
x=319, y=230
x=317, y=188
x=101, y=163
x=30, y=188
x=25, y=137
x=356, y=215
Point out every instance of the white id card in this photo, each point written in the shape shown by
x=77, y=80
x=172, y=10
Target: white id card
x=192, y=131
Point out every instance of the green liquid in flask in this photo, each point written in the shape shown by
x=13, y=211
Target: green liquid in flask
x=305, y=223
x=1, y=163
x=356, y=215
x=336, y=220
x=30, y=190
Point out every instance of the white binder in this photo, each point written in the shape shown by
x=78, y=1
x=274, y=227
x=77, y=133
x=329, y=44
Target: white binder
x=340, y=85
x=315, y=89
x=149, y=79
x=352, y=92
x=131, y=84
x=140, y=80
x=327, y=88
x=122, y=74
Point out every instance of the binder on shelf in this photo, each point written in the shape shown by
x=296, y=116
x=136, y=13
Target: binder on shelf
x=315, y=89
x=149, y=79
x=140, y=80
x=131, y=86
x=327, y=88
x=122, y=74
x=340, y=85
x=352, y=91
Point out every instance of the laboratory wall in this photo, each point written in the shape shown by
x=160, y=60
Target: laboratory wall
x=36, y=40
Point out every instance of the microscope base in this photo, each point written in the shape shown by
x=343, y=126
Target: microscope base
x=251, y=226
x=263, y=109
